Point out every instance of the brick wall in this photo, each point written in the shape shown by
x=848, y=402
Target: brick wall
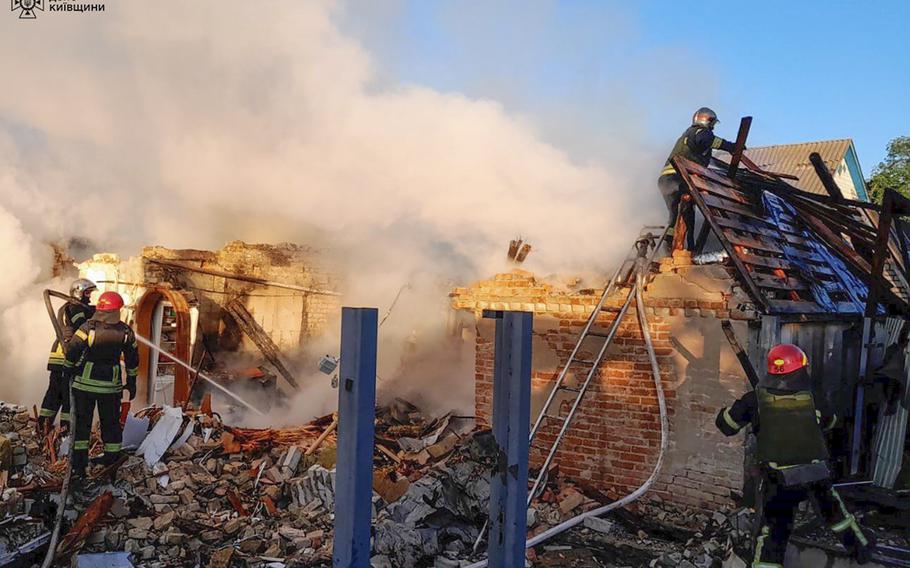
x=615, y=437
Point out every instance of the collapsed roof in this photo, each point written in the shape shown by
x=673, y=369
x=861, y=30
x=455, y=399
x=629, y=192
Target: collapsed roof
x=796, y=252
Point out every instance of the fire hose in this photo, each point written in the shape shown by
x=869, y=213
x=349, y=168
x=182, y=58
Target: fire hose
x=664, y=435
x=64, y=487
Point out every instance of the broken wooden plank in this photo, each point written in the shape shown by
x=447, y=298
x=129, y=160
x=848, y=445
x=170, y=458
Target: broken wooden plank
x=721, y=191
x=752, y=289
x=241, y=277
x=739, y=146
x=84, y=526
x=756, y=229
x=322, y=437
x=727, y=205
x=261, y=339
x=776, y=282
x=752, y=243
x=741, y=354
x=782, y=263
x=821, y=170
x=792, y=307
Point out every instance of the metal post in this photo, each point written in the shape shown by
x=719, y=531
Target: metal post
x=511, y=426
x=356, y=416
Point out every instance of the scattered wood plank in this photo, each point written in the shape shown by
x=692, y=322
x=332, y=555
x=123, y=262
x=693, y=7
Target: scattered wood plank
x=263, y=342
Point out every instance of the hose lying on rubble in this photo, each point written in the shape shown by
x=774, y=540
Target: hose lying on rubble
x=187, y=366
x=664, y=433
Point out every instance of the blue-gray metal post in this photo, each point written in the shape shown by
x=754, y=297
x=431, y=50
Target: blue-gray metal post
x=511, y=427
x=356, y=416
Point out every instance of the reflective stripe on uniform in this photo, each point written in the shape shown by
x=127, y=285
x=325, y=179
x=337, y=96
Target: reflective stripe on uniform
x=81, y=335
x=730, y=422
x=91, y=337
x=47, y=412
x=112, y=447
x=98, y=390
x=65, y=416
x=80, y=445
x=759, y=545
x=849, y=521
x=132, y=372
x=77, y=317
x=668, y=170
x=717, y=142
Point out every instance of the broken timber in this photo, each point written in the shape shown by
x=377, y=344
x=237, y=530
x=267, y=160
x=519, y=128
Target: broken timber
x=254, y=331
x=787, y=245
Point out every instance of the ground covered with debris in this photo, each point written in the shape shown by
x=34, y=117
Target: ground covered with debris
x=199, y=493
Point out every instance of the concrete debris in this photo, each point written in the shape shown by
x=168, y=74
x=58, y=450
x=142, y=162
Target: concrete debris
x=253, y=498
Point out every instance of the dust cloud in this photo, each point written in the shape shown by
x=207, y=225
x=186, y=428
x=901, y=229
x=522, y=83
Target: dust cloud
x=193, y=125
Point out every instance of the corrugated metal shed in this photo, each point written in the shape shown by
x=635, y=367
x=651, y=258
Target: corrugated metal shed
x=793, y=159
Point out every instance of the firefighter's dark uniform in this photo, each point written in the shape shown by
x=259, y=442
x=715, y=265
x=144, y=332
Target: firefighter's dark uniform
x=93, y=358
x=57, y=396
x=793, y=457
x=695, y=144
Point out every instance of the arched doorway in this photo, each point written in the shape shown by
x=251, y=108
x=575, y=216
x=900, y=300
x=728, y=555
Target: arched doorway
x=163, y=316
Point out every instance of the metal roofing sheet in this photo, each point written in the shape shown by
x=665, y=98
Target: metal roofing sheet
x=794, y=159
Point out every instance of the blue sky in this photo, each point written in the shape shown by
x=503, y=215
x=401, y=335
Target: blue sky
x=590, y=73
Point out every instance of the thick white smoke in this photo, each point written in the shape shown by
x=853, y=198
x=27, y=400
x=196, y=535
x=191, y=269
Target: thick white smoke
x=192, y=124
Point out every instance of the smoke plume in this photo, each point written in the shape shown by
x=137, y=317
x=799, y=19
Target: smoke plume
x=192, y=125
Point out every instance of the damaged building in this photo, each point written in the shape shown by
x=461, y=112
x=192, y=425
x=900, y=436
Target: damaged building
x=225, y=310
x=777, y=263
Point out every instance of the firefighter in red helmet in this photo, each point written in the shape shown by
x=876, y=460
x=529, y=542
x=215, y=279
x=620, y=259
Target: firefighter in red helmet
x=792, y=455
x=93, y=360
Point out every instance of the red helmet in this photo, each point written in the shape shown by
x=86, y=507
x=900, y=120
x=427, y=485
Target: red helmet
x=786, y=358
x=109, y=302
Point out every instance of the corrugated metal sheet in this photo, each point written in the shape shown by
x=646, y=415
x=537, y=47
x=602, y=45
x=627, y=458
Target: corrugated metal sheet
x=793, y=159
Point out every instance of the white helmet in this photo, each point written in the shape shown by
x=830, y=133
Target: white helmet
x=80, y=289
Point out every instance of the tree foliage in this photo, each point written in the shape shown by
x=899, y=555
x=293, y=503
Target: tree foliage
x=893, y=171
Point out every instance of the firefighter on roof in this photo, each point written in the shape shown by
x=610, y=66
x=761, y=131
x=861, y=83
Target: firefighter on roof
x=793, y=457
x=71, y=316
x=695, y=144
x=93, y=359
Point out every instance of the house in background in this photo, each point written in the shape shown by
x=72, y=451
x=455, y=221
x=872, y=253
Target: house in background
x=839, y=155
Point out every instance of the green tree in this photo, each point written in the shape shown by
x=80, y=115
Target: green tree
x=894, y=171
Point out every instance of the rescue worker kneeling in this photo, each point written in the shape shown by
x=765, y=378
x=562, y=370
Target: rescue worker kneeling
x=793, y=457
x=93, y=358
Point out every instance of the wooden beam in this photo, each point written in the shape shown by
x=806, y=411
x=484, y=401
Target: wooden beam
x=750, y=286
x=744, y=124
x=241, y=277
x=824, y=174
x=880, y=252
x=740, y=353
x=254, y=331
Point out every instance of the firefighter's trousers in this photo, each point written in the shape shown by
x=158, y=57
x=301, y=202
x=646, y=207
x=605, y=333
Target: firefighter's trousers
x=779, y=505
x=108, y=415
x=56, y=398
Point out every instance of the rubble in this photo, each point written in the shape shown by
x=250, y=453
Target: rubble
x=223, y=496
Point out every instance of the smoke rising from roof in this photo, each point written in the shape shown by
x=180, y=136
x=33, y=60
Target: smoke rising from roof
x=190, y=126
